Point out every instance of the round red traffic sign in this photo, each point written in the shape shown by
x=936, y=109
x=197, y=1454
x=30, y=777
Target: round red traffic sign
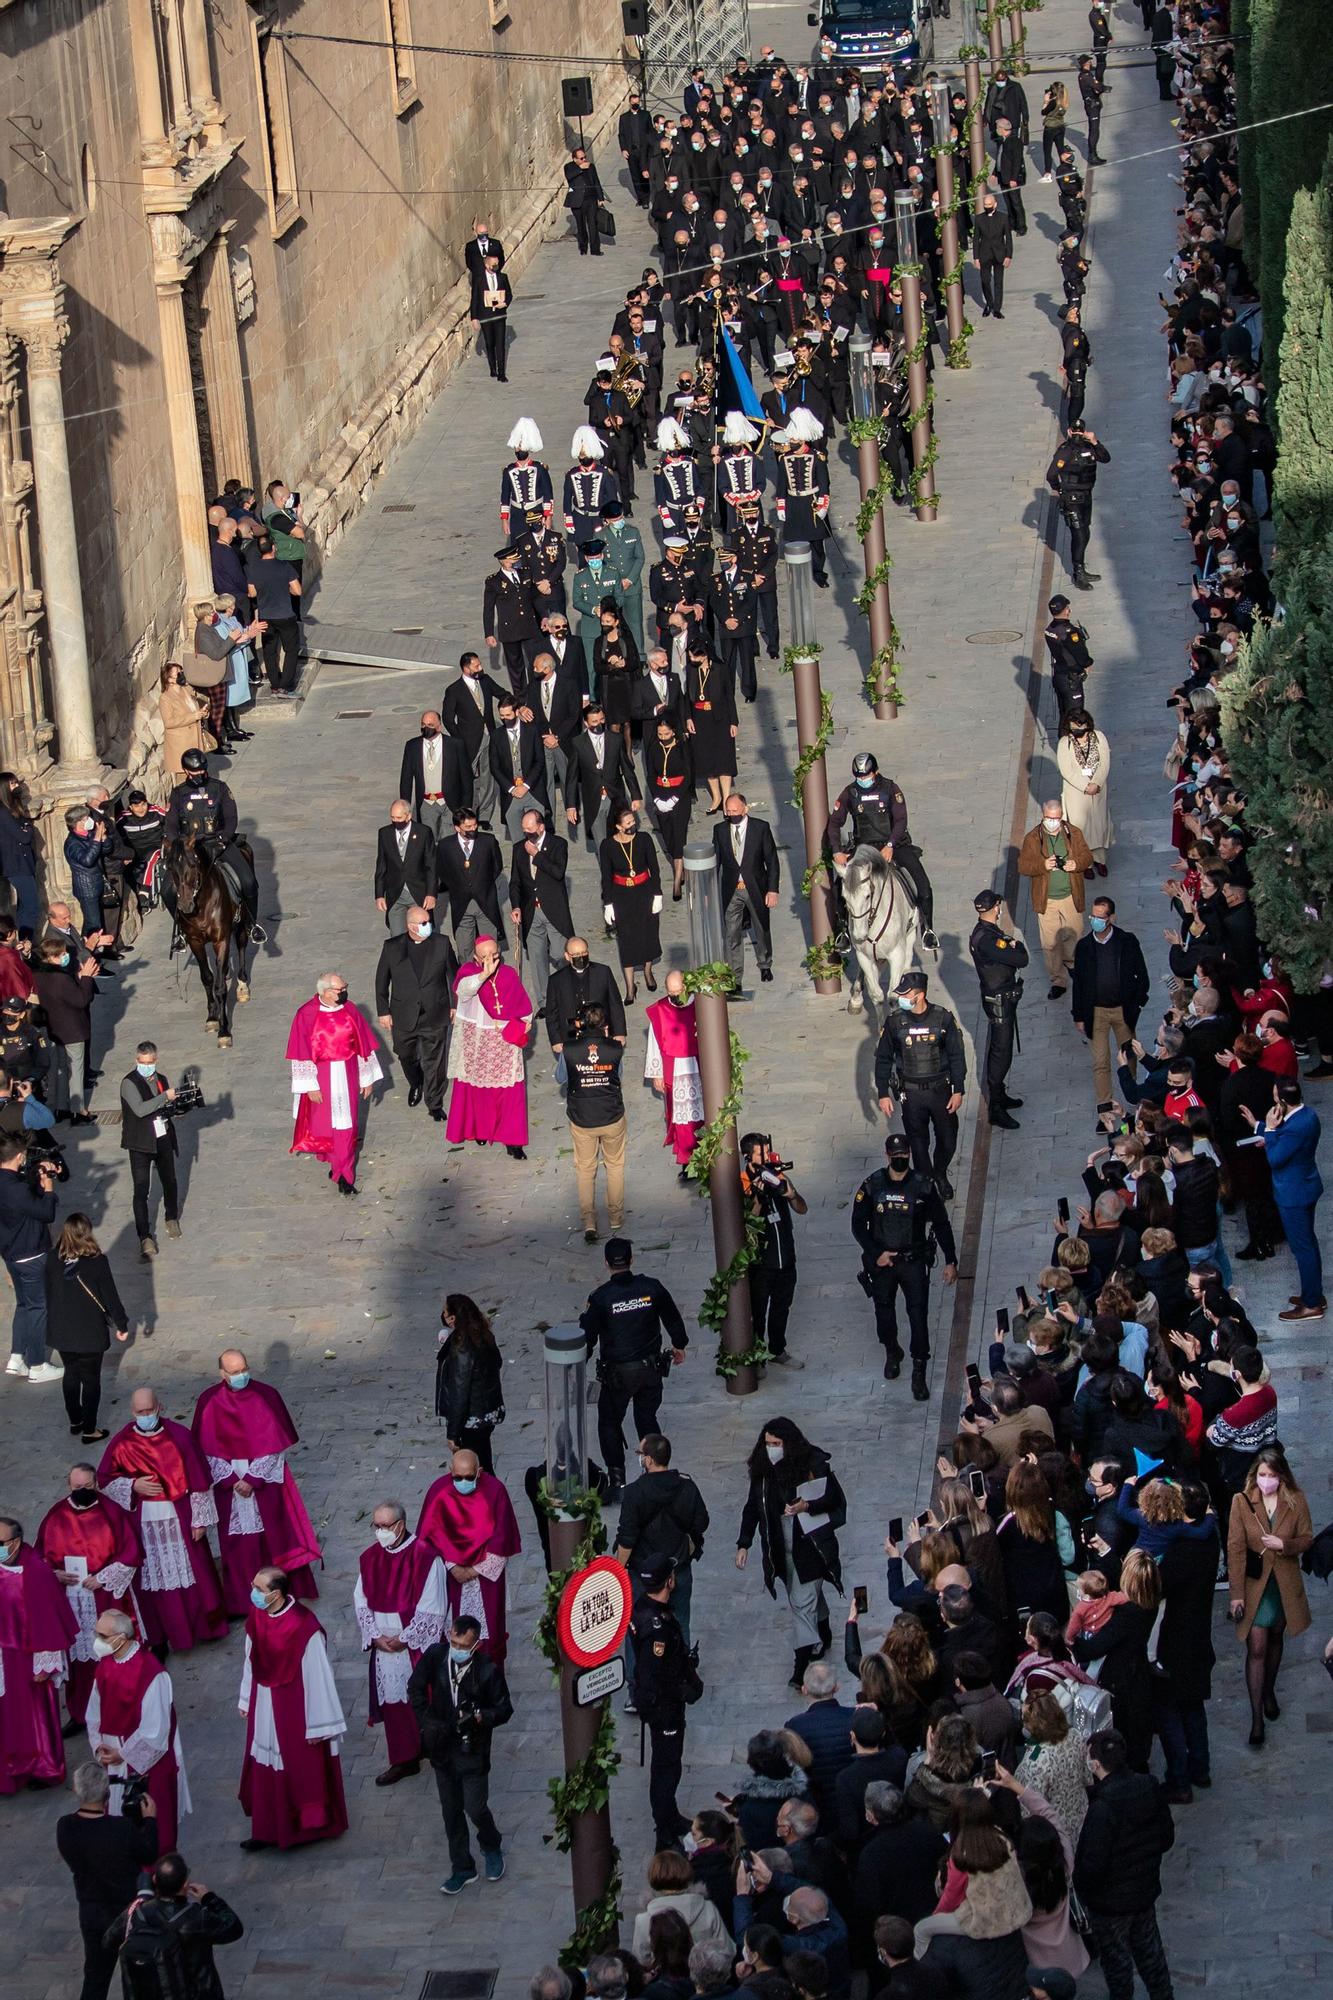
x=594, y=1614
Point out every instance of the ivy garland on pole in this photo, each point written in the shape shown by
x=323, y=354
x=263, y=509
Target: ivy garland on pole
x=881, y=682
x=719, y=978
x=957, y=355
x=920, y=411
x=586, y=1788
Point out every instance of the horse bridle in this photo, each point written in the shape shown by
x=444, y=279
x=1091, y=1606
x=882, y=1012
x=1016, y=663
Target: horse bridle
x=888, y=914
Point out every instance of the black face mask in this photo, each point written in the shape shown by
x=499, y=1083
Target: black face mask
x=579, y=963
x=430, y=734
x=84, y=1497
x=341, y=996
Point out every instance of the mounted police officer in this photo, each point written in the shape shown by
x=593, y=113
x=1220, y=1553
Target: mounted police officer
x=920, y=1058
x=898, y=1219
x=202, y=809
x=999, y=959
x=624, y=1322
x=875, y=810
x=666, y=1681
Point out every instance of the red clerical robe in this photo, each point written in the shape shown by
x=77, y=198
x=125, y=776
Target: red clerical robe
x=96, y=1546
x=37, y=1629
x=332, y=1054
x=132, y=1710
x=474, y=1531
x=178, y=1589
x=673, y=1059
x=291, y=1780
x=244, y=1434
x=400, y=1594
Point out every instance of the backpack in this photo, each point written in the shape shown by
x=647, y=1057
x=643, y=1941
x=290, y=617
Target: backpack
x=152, y=1958
x=1087, y=1706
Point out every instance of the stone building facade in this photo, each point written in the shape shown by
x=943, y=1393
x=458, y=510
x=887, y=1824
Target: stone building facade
x=231, y=247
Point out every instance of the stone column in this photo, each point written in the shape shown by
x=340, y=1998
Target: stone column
x=178, y=382
x=24, y=730
x=199, y=69
x=223, y=384
x=71, y=681
x=147, y=75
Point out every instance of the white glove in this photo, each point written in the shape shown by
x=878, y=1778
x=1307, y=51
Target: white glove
x=608, y=911
x=657, y=906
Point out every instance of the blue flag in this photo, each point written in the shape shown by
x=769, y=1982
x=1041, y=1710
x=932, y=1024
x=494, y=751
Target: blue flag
x=1143, y=1465
x=735, y=389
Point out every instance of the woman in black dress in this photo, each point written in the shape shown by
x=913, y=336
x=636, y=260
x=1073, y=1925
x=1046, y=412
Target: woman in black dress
x=469, y=1390
x=710, y=693
x=615, y=666
x=632, y=897
x=82, y=1308
x=669, y=769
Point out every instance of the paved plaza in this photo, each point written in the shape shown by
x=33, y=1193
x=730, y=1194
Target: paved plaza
x=337, y=1302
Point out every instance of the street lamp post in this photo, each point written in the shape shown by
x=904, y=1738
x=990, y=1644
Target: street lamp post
x=874, y=543
x=918, y=417
x=941, y=118
x=713, y=1022
x=804, y=654
x=1017, y=35
x=565, y=1354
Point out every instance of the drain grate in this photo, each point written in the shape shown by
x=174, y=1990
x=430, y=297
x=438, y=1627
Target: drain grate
x=476, y=1983
x=409, y=508
x=1004, y=636
x=406, y=631
x=354, y=715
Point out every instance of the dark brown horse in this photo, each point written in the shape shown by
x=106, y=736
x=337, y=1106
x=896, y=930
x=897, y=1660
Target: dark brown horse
x=213, y=920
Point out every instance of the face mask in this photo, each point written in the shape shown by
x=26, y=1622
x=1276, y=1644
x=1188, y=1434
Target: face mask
x=259, y=1598
x=147, y=1420
x=1198, y=982
x=579, y=962
x=1267, y=1483
x=774, y=1453
x=341, y=996
x=64, y=958
x=424, y=930
x=82, y=1497
x=8, y=1552
x=1267, y=968
x=430, y=734
x=904, y=1001
x=146, y=1068
x=1051, y=825
x=241, y=1381
x=103, y=1648
x=1098, y=924
x=864, y=784
x=386, y=1537
x=460, y=1655
x=466, y=1485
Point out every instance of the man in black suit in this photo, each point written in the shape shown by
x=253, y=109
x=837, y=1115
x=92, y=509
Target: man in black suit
x=414, y=997
x=468, y=867
x=657, y=695
x=748, y=875
x=508, y=616
x=1010, y=172
x=576, y=985
x=599, y=774
x=554, y=700
x=566, y=649
x=539, y=900
x=436, y=777
x=404, y=867
x=517, y=765
x=468, y=713
x=479, y=246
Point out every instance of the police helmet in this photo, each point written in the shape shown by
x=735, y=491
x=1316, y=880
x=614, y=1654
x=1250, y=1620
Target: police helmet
x=864, y=765
x=194, y=760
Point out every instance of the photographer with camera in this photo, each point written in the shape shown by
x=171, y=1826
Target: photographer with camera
x=460, y=1699
x=773, y=1199
x=148, y=1105
x=624, y=1322
x=106, y=1857
x=166, y=1939
x=27, y=1210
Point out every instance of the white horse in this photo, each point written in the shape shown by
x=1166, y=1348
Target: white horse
x=882, y=923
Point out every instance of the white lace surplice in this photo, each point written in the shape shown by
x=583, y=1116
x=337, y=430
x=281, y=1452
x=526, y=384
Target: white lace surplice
x=393, y=1671
x=245, y=1518
x=150, y=1741
x=687, y=1091
x=324, y=1721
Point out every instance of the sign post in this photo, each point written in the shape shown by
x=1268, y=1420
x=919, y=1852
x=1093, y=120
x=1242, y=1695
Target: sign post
x=591, y=1623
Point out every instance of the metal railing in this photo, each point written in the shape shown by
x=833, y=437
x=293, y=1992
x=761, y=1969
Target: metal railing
x=683, y=33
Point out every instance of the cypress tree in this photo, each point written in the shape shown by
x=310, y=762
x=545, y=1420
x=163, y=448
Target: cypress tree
x=1291, y=67
x=1303, y=486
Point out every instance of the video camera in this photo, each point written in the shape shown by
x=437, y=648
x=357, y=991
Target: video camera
x=133, y=1792
x=43, y=1150
x=189, y=1095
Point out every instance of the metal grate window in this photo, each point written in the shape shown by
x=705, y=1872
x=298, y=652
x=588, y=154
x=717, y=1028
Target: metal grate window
x=476, y=1983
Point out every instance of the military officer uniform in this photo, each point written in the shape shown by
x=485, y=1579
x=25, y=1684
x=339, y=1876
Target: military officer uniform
x=508, y=617
x=672, y=582
x=666, y=1681
x=542, y=557
x=898, y=1214
x=757, y=545
x=525, y=485
x=921, y=1059
x=999, y=960
x=1071, y=476
x=730, y=596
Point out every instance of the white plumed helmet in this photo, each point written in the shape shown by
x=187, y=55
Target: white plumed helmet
x=803, y=426
x=670, y=436
x=585, y=443
x=525, y=436
x=738, y=429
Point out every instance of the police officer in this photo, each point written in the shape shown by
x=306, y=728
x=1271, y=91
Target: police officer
x=999, y=959
x=1071, y=661
x=666, y=1680
x=898, y=1218
x=626, y=1318
x=1074, y=267
x=1076, y=360
x=202, y=809
x=772, y=1200
x=920, y=1057
x=872, y=811
x=1071, y=476
x=25, y=1052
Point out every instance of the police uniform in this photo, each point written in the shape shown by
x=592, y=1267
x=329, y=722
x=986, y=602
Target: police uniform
x=999, y=960
x=25, y=1052
x=624, y=1322
x=1077, y=356
x=920, y=1057
x=1071, y=476
x=1074, y=269
x=904, y=1218
x=878, y=813
x=665, y=1681
x=202, y=809
x=1071, y=661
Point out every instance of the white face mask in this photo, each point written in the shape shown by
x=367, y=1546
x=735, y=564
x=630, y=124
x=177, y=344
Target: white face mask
x=103, y=1648
x=1051, y=825
x=386, y=1537
x=774, y=1453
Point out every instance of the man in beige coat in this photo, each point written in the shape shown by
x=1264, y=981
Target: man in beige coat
x=1054, y=856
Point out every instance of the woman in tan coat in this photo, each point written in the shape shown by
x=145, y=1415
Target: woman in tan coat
x=1269, y=1531
x=182, y=712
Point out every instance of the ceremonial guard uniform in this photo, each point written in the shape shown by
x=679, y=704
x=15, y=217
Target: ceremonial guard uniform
x=802, y=499
x=525, y=483
x=999, y=959
x=740, y=476
x=588, y=488
x=666, y=1680
x=898, y=1215
x=676, y=480
x=920, y=1058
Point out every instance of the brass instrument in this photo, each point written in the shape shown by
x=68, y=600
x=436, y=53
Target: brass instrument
x=630, y=365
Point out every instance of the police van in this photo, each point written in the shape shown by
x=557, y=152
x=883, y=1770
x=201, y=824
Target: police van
x=877, y=37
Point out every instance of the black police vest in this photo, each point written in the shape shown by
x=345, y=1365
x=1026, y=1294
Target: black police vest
x=893, y=1226
x=923, y=1052
x=200, y=812
x=872, y=813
